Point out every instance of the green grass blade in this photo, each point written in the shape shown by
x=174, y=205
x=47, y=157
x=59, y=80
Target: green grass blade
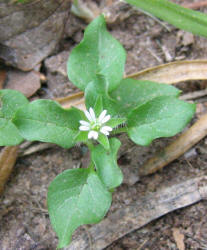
x=180, y=17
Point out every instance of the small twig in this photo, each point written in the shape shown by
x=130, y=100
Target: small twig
x=155, y=19
x=165, y=51
x=189, y=138
x=194, y=95
x=39, y=210
x=142, y=245
x=141, y=212
x=35, y=148
x=89, y=237
x=154, y=55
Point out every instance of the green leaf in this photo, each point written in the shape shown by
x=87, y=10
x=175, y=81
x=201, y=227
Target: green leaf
x=98, y=53
x=161, y=117
x=106, y=164
x=47, y=121
x=11, y=101
x=97, y=89
x=82, y=136
x=132, y=93
x=98, y=107
x=114, y=122
x=103, y=140
x=183, y=18
x=76, y=197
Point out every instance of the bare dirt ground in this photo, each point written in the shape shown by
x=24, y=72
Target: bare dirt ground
x=24, y=222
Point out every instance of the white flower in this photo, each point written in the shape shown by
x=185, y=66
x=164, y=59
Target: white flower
x=95, y=125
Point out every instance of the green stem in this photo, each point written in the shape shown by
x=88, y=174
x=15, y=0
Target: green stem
x=91, y=166
x=90, y=145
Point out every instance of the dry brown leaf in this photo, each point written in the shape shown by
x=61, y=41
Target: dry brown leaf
x=8, y=158
x=179, y=238
x=169, y=73
x=76, y=100
x=174, y=72
x=184, y=142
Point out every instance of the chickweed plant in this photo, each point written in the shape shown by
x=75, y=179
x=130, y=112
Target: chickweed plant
x=144, y=110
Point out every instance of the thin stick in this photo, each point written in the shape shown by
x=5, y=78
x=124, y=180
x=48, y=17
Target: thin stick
x=140, y=212
x=188, y=139
x=155, y=19
x=194, y=95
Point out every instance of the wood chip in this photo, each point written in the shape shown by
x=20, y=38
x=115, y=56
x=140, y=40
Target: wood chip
x=141, y=212
x=179, y=238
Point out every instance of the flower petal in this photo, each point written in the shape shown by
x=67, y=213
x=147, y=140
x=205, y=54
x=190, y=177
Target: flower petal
x=104, y=132
x=93, y=134
x=93, y=116
x=84, y=128
x=102, y=115
x=107, y=128
x=85, y=123
x=105, y=119
x=87, y=114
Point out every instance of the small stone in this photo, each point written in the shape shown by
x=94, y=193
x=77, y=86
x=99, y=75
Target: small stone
x=26, y=82
x=130, y=175
x=190, y=153
x=35, y=31
x=188, y=39
x=57, y=63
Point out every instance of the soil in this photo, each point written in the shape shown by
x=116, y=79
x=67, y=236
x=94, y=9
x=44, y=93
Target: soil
x=23, y=211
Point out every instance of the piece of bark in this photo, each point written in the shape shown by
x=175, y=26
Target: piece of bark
x=141, y=212
x=179, y=238
x=184, y=142
x=8, y=158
